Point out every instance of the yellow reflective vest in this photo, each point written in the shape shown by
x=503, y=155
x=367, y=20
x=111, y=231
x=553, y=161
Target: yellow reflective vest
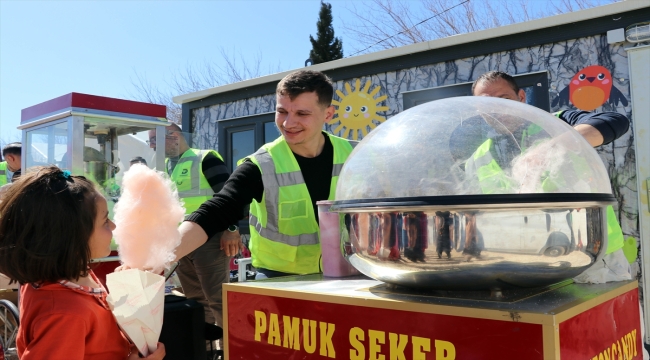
x=3, y=173
x=190, y=181
x=493, y=180
x=284, y=232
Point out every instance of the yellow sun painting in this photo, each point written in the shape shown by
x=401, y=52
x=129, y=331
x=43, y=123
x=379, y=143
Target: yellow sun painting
x=357, y=110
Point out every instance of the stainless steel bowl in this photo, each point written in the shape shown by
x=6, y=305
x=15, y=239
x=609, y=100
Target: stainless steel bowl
x=473, y=247
x=473, y=193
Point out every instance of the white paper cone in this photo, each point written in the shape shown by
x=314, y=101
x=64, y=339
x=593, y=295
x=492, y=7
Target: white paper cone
x=137, y=299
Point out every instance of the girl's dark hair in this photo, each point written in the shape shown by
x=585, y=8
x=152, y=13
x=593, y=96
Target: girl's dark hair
x=46, y=220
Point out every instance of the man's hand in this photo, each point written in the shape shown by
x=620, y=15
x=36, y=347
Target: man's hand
x=231, y=242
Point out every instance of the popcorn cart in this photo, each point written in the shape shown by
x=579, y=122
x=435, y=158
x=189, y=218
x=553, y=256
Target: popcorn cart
x=96, y=137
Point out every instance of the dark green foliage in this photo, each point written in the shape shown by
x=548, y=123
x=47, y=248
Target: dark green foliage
x=325, y=47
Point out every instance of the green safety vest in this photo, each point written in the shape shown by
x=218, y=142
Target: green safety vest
x=3, y=173
x=190, y=181
x=284, y=232
x=491, y=177
x=493, y=180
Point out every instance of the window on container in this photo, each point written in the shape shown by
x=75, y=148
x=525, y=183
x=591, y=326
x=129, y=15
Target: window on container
x=270, y=132
x=242, y=144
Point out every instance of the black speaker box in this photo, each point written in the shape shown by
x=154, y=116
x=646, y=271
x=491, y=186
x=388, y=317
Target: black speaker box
x=183, y=330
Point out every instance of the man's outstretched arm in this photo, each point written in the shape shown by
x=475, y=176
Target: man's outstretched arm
x=192, y=236
x=597, y=128
x=223, y=209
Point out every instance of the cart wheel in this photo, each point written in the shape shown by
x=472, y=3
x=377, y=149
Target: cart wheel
x=557, y=244
x=9, y=322
x=555, y=251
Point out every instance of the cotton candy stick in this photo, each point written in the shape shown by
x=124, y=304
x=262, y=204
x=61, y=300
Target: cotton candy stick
x=147, y=218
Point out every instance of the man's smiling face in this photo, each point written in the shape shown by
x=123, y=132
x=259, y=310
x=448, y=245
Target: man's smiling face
x=301, y=120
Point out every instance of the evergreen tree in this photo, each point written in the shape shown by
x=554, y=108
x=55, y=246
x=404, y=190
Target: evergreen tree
x=325, y=47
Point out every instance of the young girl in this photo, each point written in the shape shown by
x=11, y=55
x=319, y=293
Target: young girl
x=51, y=225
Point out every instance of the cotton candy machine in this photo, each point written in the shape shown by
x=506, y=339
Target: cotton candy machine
x=473, y=193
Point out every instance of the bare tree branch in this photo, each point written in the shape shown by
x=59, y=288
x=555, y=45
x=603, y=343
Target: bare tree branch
x=383, y=24
x=234, y=67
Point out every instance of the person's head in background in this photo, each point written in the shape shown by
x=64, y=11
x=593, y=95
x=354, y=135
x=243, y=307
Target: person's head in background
x=75, y=216
x=303, y=106
x=11, y=154
x=175, y=143
x=137, y=160
x=498, y=84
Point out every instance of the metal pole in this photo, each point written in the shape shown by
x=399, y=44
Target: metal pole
x=241, y=268
x=639, y=70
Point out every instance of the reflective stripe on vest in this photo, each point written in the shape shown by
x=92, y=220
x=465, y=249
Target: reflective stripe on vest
x=272, y=231
x=283, y=226
x=272, y=182
x=197, y=190
x=3, y=174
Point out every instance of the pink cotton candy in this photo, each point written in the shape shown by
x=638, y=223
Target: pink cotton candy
x=147, y=218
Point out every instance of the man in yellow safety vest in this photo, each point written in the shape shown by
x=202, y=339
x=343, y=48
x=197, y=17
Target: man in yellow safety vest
x=10, y=168
x=597, y=128
x=282, y=182
x=198, y=175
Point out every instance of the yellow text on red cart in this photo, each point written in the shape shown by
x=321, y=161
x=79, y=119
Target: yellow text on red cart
x=364, y=344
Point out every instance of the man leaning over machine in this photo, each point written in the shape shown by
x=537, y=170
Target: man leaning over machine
x=598, y=129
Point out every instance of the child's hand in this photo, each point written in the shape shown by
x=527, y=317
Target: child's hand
x=159, y=354
x=121, y=268
x=126, y=267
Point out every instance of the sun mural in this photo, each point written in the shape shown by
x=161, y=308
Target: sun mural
x=357, y=110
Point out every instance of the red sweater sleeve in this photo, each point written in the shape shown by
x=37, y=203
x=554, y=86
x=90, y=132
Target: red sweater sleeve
x=57, y=336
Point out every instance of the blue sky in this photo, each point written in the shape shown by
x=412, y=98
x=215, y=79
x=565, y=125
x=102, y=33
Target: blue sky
x=51, y=48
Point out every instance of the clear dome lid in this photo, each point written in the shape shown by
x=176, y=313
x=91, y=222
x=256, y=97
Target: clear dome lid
x=471, y=146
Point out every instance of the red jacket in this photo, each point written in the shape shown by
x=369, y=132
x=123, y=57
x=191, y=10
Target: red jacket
x=58, y=322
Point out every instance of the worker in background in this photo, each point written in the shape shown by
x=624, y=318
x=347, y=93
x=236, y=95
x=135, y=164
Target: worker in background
x=598, y=129
x=10, y=168
x=198, y=174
